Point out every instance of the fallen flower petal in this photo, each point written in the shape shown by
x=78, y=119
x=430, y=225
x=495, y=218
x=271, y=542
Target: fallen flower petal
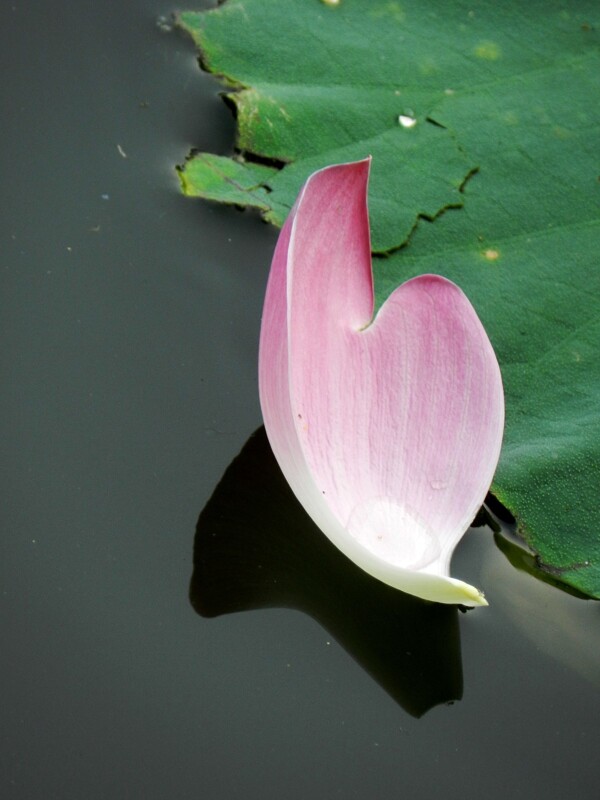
x=388, y=430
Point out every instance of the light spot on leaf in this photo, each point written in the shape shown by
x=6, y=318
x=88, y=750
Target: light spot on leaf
x=561, y=133
x=491, y=255
x=511, y=118
x=428, y=67
x=489, y=51
x=392, y=9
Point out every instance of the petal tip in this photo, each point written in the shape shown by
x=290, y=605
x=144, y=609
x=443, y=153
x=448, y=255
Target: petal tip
x=473, y=596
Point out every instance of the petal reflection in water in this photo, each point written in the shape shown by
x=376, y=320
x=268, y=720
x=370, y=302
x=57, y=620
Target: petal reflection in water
x=256, y=547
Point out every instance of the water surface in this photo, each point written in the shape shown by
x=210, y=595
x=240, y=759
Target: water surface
x=130, y=328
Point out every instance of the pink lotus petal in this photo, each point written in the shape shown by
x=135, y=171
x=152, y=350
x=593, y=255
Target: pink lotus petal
x=388, y=430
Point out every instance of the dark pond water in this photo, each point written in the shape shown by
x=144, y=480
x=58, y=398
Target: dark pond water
x=130, y=327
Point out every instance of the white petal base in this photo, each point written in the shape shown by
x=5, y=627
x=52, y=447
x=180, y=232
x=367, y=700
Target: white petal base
x=393, y=533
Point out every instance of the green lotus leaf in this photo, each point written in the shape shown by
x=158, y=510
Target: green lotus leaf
x=483, y=122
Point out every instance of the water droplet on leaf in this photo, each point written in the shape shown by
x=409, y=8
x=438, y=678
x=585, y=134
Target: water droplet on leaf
x=407, y=120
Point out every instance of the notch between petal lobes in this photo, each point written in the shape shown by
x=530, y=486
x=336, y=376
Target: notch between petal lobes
x=388, y=430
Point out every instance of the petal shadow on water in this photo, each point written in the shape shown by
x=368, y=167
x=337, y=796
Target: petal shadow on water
x=256, y=547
